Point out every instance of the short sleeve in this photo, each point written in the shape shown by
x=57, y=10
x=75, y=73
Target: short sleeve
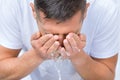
x=10, y=21
x=106, y=42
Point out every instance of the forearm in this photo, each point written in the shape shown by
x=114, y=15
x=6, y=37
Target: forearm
x=90, y=69
x=17, y=68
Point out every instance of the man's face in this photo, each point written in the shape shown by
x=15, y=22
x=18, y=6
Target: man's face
x=51, y=26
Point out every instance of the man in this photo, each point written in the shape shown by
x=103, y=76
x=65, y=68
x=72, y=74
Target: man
x=58, y=34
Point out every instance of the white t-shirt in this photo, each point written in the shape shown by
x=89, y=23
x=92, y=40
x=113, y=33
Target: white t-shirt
x=101, y=27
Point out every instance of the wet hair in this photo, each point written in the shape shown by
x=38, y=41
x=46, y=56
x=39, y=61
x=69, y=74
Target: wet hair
x=59, y=9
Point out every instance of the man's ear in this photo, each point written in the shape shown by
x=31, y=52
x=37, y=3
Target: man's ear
x=86, y=9
x=33, y=10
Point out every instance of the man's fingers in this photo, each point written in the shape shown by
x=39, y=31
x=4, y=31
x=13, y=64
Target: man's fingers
x=72, y=41
x=41, y=41
x=67, y=46
x=83, y=40
x=82, y=37
x=53, y=49
x=63, y=53
x=49, y=43
x=77, y=39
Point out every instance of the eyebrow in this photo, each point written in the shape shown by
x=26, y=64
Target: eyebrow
x=47, y=32
x=77, y=32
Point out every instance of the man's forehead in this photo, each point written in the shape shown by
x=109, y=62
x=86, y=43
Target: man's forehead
x=52, y=31
x=71, y=25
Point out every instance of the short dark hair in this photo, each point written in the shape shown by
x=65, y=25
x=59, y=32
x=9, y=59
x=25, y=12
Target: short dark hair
x=60, y=9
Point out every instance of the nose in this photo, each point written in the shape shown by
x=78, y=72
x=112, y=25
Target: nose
x=61, y=38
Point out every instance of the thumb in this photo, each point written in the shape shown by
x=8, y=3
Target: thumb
x=82, y=37
x=36, y=36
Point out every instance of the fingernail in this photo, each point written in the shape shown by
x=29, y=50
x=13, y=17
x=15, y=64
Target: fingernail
x=71, y=34
x=56, y=37
x=65, y=41
x=50, y=35
x=57, y=43
x=68, y=37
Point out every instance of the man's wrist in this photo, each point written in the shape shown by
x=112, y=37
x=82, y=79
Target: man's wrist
x=32, y=50
x=80, y=59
